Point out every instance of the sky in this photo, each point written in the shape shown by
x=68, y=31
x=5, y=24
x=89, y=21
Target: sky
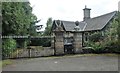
x=70, y=10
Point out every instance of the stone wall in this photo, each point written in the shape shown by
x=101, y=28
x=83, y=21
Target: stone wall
x=22, y=53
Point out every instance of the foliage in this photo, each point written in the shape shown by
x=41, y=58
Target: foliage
x=22, y=43
x=8, y=45
x=97, y=47
x=109, y=42
x=45, y=42
x=5, y=63
x=113, y=42
x=111, y=32
x=48, y=27
x=118, y=29
x=95, y=37
x=17, y=18
x=112, y=46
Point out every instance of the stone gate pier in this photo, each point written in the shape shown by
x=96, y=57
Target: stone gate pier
x=58, y=39
x=58, y=43
x=77, y=43
x=77, y=37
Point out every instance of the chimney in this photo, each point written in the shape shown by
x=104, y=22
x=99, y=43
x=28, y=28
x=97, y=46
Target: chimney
x=86, y=13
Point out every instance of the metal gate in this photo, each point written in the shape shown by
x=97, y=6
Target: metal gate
x=68, y=45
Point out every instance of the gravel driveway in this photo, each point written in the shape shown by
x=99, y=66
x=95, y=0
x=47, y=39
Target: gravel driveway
x=67, y=63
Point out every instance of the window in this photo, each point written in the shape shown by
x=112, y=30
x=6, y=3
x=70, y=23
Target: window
x=86, y=36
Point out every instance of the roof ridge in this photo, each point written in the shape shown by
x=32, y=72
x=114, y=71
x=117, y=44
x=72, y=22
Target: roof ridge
x=104, y=14
x=65, y=20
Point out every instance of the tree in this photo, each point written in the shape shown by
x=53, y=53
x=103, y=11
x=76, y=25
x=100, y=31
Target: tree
x=48, y=27
x=118, y=29
x=111, y=32
x=17, y=18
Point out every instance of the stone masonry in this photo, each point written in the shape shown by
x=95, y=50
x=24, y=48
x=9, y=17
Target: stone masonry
x=77, y=44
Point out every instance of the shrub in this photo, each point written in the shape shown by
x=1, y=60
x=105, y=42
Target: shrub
x=8, y=46
x=41, y=42
x=112, y=46
x=103, y=47
x=95, y=37
x=97, y=47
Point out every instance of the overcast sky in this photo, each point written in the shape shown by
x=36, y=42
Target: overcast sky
x=70, y=10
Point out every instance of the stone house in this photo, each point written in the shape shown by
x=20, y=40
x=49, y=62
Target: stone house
x=76, y=33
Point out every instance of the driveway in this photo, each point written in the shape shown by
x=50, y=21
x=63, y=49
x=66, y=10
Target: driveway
x=66, y=63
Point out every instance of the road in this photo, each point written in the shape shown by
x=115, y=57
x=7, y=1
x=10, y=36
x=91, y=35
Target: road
x=67, y=63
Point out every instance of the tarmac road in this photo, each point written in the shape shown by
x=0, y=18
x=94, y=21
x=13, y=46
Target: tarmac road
x=67, y=63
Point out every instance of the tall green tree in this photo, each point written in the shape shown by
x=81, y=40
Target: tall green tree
x=48, y=27
x=17, y=18
x=118, y=28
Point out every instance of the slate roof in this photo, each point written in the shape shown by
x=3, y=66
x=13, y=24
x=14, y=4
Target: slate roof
x=69, y=26
x=96, y=23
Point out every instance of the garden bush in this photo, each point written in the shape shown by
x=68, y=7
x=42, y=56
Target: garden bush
x=8, y=46
x=104, y=47
x=41, y=42
x=97, y=47
x=112, y=46
x=95, y=37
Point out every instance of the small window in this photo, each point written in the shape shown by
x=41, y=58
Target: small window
x=86, y=36
x=86, y=39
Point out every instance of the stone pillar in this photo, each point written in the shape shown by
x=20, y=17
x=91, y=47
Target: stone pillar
x=52, y=43
x=77, y=44
x=59, y=43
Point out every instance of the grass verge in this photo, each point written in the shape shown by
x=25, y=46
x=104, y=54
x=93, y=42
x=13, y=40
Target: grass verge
x=82, y=55
x=5, y=63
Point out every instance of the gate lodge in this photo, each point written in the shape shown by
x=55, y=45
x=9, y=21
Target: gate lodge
x=70, y=37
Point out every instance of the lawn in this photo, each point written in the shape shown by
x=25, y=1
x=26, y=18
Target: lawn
x=5, y=63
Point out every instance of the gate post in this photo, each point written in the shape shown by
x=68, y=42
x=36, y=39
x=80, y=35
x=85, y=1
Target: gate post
x=53, y=44
x=59, y=43
x=77, y=43
x=59, y=40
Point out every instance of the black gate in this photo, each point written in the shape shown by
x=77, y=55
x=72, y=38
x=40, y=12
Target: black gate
x=68, y=45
